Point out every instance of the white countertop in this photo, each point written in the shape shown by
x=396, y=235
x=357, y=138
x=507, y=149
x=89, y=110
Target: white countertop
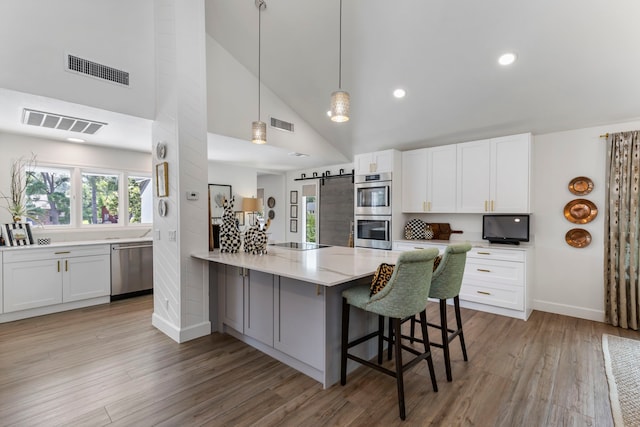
x=325, y=266
x=79, y=243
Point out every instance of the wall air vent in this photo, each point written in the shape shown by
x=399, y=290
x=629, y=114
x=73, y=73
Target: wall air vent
x=281, y=124
x=57, y=121
x=90, y=68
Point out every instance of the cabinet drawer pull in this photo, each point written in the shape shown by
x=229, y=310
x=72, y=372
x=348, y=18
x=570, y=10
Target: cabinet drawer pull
x=429, y=206
x=485, y=205
x=62, y=252
x=483, y=270
x=66, y=265
x=492, y=206
x=58, y=266
x=484, y=293
x=484, y=253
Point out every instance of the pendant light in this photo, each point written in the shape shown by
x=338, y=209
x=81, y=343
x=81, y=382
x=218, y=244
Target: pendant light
x=340, y=99
x=259, y=128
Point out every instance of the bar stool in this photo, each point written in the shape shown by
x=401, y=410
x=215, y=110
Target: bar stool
x=446, y=282
x=405, y=294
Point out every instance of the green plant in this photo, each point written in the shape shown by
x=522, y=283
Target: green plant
x=20, y=177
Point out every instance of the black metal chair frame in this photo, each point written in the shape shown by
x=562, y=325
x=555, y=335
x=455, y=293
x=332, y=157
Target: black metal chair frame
x=395, y=324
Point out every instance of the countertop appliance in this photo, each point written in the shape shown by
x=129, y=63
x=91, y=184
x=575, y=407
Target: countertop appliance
x=299, y=246
x=131, y=269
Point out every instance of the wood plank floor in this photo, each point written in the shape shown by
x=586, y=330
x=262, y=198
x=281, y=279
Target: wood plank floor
x=106, y=365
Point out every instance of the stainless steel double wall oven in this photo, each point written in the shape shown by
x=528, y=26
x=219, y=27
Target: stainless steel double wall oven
x=373, y=210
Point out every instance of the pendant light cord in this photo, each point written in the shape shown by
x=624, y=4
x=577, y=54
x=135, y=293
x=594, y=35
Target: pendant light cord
x=340, y=52
x=259, y=60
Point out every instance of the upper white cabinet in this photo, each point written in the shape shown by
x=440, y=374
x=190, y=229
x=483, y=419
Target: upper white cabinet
x=429, y=179
x=377, y=162
x=494, y=175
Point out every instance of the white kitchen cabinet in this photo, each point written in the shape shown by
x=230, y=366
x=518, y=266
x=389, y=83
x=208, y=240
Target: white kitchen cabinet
x=299, y=321
x=376, y=162
x=35, y=277
x=494, y=175
x=258, y=306
x=495, y=280
x=429, y=180
x=233, y=297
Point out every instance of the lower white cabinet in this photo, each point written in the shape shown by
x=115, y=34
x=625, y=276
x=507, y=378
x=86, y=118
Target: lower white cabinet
x=34, y=277
x=495, y=279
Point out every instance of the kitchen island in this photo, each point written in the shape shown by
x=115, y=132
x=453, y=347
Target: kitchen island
x=287, y=303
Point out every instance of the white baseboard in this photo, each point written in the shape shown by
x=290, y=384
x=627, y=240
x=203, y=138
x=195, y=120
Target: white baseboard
x=569, y=310
x=181, y=335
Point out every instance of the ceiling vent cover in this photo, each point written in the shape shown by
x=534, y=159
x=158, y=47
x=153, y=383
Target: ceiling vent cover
x=281, y=124
x=57, y=121
x=90, y=68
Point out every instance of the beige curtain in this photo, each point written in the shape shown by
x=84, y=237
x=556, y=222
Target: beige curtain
x=621, y=230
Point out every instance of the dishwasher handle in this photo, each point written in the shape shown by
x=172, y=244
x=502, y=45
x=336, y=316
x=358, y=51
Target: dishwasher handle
x=118, y=248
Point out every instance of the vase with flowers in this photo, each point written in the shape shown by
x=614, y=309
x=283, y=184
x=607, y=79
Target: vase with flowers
x=21, y=172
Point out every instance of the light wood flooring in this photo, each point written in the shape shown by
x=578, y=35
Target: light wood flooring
x=106, y=365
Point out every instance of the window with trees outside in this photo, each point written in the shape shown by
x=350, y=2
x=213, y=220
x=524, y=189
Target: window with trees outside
x=102, y=197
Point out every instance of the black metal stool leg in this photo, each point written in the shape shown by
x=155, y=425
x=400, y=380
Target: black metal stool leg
x=390, y=347
x=456, y=303
x=397, y=341
x=427, y=348
x=380, y=337
x=445, y=338
x=345, y=341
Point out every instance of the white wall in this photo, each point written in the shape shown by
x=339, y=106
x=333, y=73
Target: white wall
x=51, y=152
x=274, y=186
x=243, y=181
x=568, y=280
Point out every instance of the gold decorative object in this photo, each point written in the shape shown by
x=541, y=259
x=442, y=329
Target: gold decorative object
x=578, y=237
x=580, y=211
x=581, y=186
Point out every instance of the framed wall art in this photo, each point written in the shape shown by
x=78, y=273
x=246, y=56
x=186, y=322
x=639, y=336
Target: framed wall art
x=293, y=225
x=293, y=197
x=18, y=234
x=162, y=179
x=294, y=211
x=217, y=195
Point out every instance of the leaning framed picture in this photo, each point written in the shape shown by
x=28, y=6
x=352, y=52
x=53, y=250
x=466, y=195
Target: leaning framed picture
x=293, y=225
x=218, y=193
x=239, y=218
x=294, y=211
x=18, y=234
x=162, y=179
x=293, y=197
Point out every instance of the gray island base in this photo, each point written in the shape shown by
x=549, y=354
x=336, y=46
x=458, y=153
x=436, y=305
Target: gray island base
x=288, y=302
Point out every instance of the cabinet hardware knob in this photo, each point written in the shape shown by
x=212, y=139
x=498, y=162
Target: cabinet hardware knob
x=483, y=270
x=484, y=293
x=484, y=253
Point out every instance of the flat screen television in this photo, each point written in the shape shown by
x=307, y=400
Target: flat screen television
x=511, y=229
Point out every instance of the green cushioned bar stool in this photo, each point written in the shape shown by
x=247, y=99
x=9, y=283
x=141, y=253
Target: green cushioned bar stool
x=445, y=284
x=405, y=294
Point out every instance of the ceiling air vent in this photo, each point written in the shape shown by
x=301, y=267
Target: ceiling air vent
x=281, y=124
x=57, y=121
x=90, y=68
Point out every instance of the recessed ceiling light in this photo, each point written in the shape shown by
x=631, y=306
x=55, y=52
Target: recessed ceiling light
x=507, y=58
x=76, y=140
x=399, y=93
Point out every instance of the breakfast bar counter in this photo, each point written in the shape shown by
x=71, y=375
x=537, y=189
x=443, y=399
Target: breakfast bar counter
x=287, y=303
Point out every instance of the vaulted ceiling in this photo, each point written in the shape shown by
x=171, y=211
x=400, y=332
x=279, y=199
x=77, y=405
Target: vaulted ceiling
x=577, y=66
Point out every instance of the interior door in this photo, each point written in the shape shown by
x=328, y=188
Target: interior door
x=336, y=211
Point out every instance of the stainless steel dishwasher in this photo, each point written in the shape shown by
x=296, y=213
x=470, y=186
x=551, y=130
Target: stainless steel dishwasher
x=131, y=269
